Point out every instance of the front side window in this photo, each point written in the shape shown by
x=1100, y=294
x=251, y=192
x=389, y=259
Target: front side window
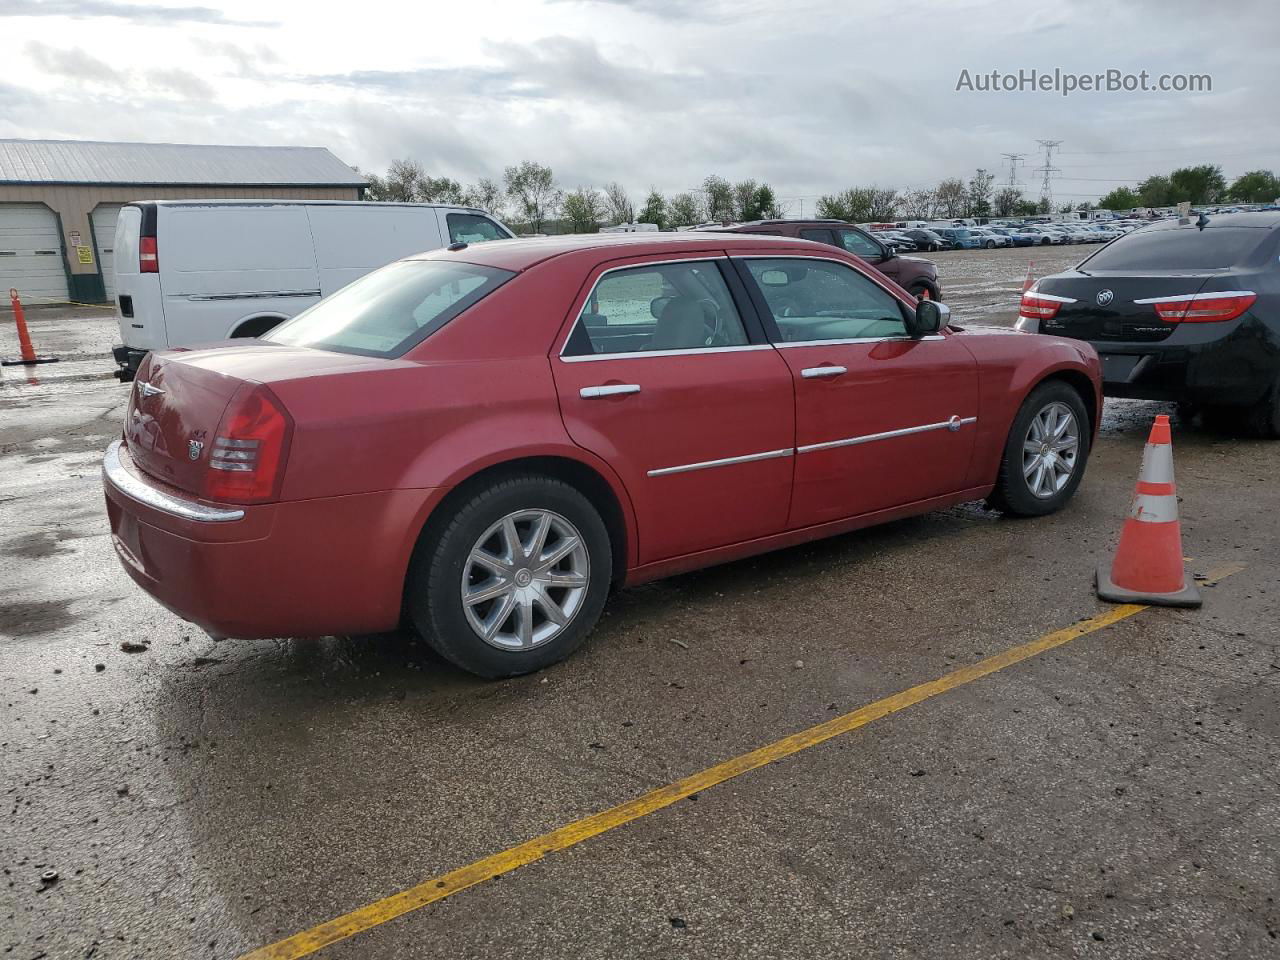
x=473, y=228
x=386, y=312
x=859, y=244
x=666, y=306
x=824, y=300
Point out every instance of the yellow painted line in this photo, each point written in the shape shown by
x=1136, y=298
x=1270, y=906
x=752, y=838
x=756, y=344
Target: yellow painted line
x=438, y=888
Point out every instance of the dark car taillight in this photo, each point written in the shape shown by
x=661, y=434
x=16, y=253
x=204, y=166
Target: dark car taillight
x=249, y=450
x=1040, y=306
x=1202, y=307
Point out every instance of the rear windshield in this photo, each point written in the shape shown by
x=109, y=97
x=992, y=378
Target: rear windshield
x=1182, y=248
x=386, y=312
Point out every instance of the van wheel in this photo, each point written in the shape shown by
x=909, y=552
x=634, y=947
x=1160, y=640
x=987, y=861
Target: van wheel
x=516, y=579
x=256, y=327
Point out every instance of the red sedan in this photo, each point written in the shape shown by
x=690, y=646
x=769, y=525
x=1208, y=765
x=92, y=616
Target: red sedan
x=484, y=440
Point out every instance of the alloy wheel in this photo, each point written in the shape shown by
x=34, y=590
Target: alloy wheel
x=1050, y=450
x=525, y=579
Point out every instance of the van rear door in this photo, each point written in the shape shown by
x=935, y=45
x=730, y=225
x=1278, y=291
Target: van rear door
x=352, y=240
x=139, y=307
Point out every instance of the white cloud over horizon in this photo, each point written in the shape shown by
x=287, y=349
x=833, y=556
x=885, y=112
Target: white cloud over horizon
x=811, y=96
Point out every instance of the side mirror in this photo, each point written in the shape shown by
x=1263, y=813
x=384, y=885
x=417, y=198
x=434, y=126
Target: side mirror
x=889, y=251
x=930, y=317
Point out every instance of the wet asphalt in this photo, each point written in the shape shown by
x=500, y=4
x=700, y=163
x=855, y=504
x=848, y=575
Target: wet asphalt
x=1115, y=797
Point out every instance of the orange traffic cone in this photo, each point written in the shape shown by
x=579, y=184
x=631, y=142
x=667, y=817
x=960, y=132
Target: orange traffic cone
x=1148, y=564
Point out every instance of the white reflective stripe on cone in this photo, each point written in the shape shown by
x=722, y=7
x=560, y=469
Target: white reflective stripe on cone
x=1154, y=508
x=1157, y=463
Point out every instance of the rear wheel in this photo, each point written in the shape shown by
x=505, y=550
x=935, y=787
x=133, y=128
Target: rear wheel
x=990, y=244
x=924, y=289
x=1045, y=454
x=515, y=581
x=1263, y=418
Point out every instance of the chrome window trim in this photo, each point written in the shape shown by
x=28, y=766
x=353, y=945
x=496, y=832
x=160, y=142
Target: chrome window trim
x=714, y=258
x=1188, y=297
x=784, y=344
x=115, y=473
x=691, y=351
x=725, y=462
x=954, y=424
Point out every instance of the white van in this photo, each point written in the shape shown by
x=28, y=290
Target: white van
x=200, y=271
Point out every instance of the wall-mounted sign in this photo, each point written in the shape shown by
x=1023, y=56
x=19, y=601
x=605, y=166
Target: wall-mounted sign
x=74, y=237
x=84, y=253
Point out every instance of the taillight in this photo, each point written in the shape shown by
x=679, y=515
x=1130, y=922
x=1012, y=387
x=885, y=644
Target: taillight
x=249, y=450
x=1202, y=307
x=148, y=256
x=1040, y=306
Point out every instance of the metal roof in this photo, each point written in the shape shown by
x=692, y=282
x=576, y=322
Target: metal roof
x=186, y=164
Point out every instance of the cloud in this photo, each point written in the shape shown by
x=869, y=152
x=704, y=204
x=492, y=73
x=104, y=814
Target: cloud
x=72, y=63
x=184, y=83
x=137, y=13
x=248, y=61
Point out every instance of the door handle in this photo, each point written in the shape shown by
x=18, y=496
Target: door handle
x=608, y=390
x=813, y=373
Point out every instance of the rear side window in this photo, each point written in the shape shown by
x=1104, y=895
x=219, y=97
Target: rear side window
x=669, y=306
x=473, y=228
x=1180, y=248
x=859, y=244
x=386, y=312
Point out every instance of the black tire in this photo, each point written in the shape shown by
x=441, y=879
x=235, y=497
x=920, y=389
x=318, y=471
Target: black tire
x=926, y=288
x=1012, y=494
x=434, y=585
x=1045, y=242
x=256, y=327
x=1263, y=418
x=1187, y=411
x=990, y=244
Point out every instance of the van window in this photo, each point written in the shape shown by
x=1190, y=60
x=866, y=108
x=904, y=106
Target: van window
x=386, y=312
x=473, y=228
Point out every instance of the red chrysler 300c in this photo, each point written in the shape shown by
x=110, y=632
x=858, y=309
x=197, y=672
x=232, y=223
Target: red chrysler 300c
x=483, y=440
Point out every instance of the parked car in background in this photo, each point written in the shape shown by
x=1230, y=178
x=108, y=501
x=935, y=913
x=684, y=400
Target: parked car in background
x=1185, y=311
x=895, y=239
x=927, y=240
x=960, y=238
x=917, y=276
x=1046, y=234
x=487, y=439
x=198, y=271
x=990, y=239
x=1017, y=236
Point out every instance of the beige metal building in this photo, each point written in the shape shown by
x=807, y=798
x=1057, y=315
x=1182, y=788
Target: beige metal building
x=59, y=200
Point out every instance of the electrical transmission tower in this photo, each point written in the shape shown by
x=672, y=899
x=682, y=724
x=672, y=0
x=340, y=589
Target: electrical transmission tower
x=1014, y=159
x=1047, y=169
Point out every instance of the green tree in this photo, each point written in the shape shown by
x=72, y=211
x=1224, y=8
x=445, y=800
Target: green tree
x=853, y=204
x=952, y=197
x=618, y=205
x=1005, y=202
x=654, y=210
x=1201, y=184
x=1155, y=191
x=719, y=198
x=767, y=203
x=1256, y=186
x=1121, y=198
x=583, y=208
x=533, y=188
x=684, y=210
x=402, y=183
x=488, y=195
x=980, y=193
x=918, y=204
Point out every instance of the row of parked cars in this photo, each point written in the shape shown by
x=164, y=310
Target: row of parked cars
x=958, y=236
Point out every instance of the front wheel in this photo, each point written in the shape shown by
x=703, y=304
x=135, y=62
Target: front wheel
x=515, y=580
x=1045, y=454
x=990, y=244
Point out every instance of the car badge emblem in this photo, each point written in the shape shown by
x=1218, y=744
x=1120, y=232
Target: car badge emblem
x=1104, y=297
x=147, y=390
x=194, y=449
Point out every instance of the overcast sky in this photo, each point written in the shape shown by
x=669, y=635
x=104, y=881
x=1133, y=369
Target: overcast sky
x=811, y=96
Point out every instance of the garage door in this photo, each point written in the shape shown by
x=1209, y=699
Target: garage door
x=104, y=235
x=31, y=252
